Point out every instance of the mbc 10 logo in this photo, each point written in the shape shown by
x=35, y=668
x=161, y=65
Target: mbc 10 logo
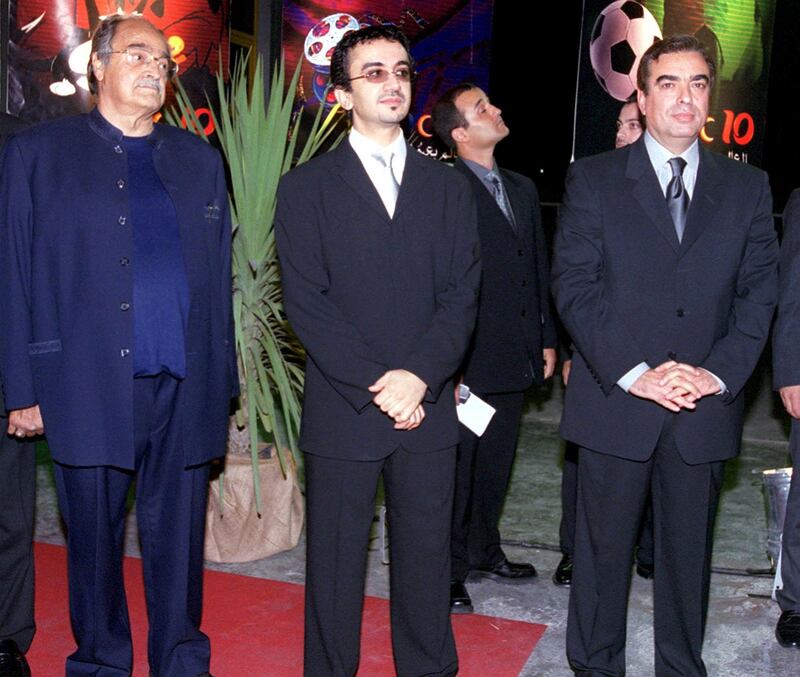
x=738, y=128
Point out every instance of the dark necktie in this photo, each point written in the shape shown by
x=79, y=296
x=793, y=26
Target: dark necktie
x=500, y=198
x=677, y=197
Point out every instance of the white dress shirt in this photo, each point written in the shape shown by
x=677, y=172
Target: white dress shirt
x=366, y=149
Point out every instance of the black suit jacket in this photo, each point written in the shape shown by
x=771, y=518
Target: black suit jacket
x=629, y=292
x=366, y=293
x=514, y=319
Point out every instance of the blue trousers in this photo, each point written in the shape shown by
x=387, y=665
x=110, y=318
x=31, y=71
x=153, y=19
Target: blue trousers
x=170, y=510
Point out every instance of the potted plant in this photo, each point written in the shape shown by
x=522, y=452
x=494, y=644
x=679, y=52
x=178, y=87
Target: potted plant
x=255, y=506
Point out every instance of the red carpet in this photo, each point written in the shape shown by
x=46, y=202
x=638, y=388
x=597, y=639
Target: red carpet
x=256, y=628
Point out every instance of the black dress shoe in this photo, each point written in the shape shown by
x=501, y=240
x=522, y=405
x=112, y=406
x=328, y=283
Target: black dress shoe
x=460, y=602
x=563, y=573
x=506, y=571
x=644, y=571
x=12, y=660
x=787, y=631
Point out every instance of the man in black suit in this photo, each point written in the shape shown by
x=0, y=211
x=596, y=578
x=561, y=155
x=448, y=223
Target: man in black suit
x=380, y=262
x=664, y=274
x=514, y=341
x=17, y=501
x=786, y=375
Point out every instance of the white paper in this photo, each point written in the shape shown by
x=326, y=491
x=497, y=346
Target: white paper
x=472, y=411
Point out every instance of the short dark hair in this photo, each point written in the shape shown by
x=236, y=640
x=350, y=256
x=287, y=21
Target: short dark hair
x=446, y=116
x=635, y=99
x=673, y=44
x=340, y=61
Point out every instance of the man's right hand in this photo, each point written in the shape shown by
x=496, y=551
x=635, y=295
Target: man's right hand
x=25, y=422
x=790, y=396
x=648, y=387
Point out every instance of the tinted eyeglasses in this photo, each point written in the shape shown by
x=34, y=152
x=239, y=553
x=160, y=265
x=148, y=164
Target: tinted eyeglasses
x=136, y=57
x=381, y=75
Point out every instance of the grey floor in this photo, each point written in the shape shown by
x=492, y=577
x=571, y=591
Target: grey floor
x=740, y=639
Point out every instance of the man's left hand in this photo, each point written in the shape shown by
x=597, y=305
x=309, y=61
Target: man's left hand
x=549, y=357
x=398, y=393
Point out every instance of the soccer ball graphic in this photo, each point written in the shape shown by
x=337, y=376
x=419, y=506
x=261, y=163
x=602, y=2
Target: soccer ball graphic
x=622, y=33
x=325, y=35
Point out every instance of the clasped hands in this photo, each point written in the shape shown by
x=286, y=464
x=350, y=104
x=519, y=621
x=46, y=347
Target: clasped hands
x=398, y=394
x=675, y=385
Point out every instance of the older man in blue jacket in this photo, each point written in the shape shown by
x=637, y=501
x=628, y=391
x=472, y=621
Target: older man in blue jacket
x=117, y=342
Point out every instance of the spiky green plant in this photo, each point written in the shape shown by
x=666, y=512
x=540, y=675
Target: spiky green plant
x=259, y=141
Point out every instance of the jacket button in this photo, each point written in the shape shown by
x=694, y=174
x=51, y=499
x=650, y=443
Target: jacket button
x=122, y=220
x=524, y=283
x=523, y=313
x=124, y=352
x=520, y=252
x=124, y=261
x=679, y=312
x=121, y=184
x=671, y=355
x=124, y=306
x=118, y=150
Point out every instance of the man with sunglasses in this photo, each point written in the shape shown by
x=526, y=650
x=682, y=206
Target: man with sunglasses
x=379, y=256
x=118, y=344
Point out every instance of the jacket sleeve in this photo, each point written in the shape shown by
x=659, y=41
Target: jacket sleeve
x=16, y=237
x=786, y=333
x=226, y=292
x=330, y=340
x=549, y=332
x=734, y=355
x=440, y=350
x=594, y=325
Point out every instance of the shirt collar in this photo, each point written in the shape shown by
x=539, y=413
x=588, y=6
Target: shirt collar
x=109, y=132
x=660, y=156
x=366, y=147
x=479, y=170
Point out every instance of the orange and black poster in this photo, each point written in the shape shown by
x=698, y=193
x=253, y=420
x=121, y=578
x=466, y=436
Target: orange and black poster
x=50, y=43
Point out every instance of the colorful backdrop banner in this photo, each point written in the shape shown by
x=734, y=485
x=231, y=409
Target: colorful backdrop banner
x=450, y=43
x=50, y=45
x=615, y=35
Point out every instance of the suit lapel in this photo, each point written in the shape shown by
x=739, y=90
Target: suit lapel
x=414, y=181
x=647, y=192
x=353, y=173
x=707, y=195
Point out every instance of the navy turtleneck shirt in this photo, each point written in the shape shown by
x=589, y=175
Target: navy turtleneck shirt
x=160, y=287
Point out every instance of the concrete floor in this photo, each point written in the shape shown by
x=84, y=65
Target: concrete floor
x=740, y=639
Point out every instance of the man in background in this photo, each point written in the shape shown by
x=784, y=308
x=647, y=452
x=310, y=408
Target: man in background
x=786, y=375
x=513, y=346
x=17, y=503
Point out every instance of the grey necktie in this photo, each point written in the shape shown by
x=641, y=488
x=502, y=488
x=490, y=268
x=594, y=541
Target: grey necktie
x=500, y=198
x=387, y=165
x=677, y=197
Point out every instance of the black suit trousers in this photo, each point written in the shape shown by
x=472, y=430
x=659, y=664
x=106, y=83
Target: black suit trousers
x=612, y=495
x=170, y=511
x=340, y=504
x=17, y=502
x=483, y=471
